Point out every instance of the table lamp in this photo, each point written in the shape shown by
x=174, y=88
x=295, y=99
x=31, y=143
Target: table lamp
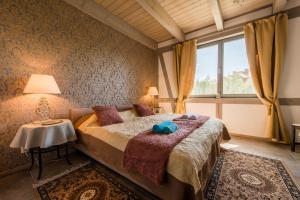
x=152, y=91
x=42, y=84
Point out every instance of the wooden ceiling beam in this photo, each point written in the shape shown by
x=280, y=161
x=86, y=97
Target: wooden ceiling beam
x=233, y=23
x=228, y=24
x=217, y=14
x=159, y=13
x=96, y=11
x=278, y=5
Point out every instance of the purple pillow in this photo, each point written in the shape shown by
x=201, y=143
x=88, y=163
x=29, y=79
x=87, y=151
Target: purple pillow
x=107, y=115
x=143, y=110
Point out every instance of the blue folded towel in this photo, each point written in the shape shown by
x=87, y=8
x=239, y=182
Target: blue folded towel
x=171, y=128
x=165, y=127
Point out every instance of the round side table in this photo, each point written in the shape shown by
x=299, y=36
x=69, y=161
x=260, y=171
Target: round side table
x=38, y=139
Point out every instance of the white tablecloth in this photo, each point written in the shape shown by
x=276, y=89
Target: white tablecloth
x=34, y=135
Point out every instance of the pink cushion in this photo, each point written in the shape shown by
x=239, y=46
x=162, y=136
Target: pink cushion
x=143, y=110
x=107, y=115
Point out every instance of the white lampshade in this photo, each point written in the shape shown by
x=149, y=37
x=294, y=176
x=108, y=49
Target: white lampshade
x=152, y=91
x=41, y=84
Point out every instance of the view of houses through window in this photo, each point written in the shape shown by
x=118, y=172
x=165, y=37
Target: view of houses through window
x=228, y=58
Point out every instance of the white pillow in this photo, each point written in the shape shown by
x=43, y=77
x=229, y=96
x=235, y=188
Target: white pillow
x=128, y=115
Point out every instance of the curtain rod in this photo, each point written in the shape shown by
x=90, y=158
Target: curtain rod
x=220, y=35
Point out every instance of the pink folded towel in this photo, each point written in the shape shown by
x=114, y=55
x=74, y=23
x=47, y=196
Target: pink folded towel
x=187, y=117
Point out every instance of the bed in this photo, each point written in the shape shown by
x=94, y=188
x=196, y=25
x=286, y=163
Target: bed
x=190, y=163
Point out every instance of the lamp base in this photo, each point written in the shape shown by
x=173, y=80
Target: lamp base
x=43, y=109
x=156, y=109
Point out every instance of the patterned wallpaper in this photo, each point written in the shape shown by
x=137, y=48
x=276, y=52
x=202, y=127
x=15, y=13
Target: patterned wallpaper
x=91, y=62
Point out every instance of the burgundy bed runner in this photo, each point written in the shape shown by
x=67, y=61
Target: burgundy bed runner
x=147, y=153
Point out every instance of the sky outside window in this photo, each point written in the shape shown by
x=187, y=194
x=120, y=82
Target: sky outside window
x=206, y=71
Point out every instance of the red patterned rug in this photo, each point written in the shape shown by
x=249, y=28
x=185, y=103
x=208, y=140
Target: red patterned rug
x=92, y=182
x=244, y=176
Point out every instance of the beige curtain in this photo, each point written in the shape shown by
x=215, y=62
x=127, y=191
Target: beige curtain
x=184, y=63
x=265, y=43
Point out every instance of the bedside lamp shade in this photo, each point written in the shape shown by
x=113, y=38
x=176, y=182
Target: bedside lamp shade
x=152, y=91
x=41, y=84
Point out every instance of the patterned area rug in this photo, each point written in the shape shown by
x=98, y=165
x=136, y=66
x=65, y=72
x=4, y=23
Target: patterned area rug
x=92, y=182
x=243, y=176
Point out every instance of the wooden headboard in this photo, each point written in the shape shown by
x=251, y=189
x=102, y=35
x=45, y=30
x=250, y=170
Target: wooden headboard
x=76, y=113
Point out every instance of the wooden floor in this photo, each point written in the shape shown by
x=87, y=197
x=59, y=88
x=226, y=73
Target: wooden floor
x=19, y=185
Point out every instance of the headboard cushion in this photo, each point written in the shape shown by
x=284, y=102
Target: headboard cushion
x=124, y=107
x=77, y=113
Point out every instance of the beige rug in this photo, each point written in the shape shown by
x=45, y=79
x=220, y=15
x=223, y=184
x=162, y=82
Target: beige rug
x=244, y=176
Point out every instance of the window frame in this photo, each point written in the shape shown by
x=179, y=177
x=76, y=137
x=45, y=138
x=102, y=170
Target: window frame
x=220, y=67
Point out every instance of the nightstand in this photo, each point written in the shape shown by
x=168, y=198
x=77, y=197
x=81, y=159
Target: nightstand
x=294, y=135
x=38, y=139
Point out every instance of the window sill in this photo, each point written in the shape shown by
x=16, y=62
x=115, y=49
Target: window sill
x=225, y=100
x=225, y=96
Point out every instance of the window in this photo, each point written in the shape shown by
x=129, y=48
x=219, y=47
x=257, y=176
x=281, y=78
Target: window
x=222, y=70
x=236, y=74
x=206, y=71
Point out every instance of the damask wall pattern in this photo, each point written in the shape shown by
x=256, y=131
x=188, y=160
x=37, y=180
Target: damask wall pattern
x=91, y=62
